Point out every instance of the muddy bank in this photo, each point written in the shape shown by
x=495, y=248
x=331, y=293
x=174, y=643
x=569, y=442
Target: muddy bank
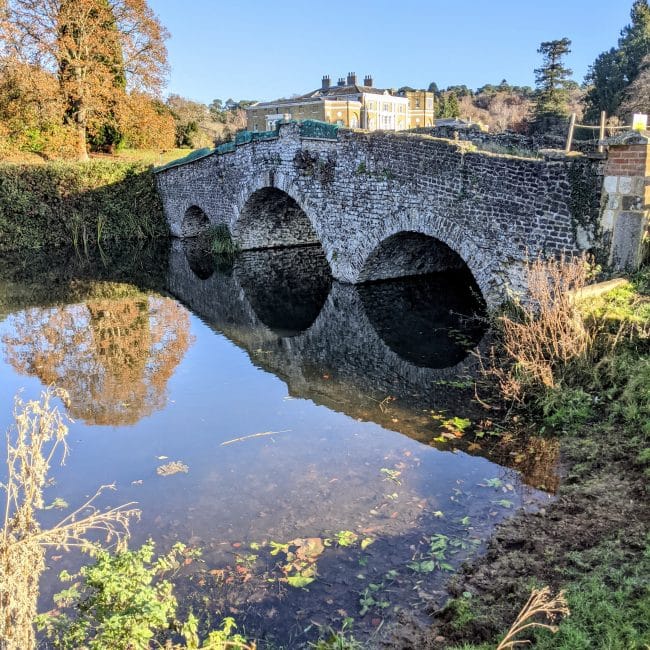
x=600, y=518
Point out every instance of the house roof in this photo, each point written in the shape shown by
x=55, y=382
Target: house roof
x=321, y=94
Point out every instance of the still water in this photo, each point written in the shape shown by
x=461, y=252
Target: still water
x=307, y=411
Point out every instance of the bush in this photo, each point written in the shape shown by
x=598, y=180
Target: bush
x=48, y=206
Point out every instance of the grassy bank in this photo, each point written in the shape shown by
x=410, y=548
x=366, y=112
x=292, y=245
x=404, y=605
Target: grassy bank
x=594, y=540
x=80, y=204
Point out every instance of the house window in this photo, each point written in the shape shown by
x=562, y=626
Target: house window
x=417, y=103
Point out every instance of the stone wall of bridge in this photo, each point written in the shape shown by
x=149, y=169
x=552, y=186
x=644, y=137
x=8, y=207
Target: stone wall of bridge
x=363, y=188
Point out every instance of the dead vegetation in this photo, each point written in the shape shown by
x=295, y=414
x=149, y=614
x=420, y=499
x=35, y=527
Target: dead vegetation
x=36, y=438
x=542, y=604
x=547, y=331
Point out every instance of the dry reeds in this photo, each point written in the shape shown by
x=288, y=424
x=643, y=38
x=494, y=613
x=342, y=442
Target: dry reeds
x=38, y=433
x=545, y=332
x=541, y=603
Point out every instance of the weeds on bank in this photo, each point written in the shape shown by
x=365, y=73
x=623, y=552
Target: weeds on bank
x=38, y=434
x=125, y=600
x=564, y=357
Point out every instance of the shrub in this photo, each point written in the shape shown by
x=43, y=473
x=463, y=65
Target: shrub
x=48, y=206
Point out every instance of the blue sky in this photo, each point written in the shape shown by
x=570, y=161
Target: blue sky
x=264, y=50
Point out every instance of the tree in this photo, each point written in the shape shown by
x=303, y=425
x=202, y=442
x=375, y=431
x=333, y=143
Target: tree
x=636, y=97
x=448, y=105
x=614, y=71
x=97, y=48
x=552, y=81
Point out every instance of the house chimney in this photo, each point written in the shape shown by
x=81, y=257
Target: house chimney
x=367, y=81
x=325, y=85
x=352, y=78
x=341, y=82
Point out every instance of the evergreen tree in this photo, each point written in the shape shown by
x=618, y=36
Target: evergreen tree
x=552, y=81
x=613, y=73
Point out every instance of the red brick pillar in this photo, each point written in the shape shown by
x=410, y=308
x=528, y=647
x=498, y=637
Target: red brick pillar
x=626, y=195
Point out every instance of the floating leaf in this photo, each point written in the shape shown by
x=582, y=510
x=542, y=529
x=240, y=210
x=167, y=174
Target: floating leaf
x=299, y=581
x=366, y=542
x=346, y=538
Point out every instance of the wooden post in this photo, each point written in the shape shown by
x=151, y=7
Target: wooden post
x=569, y=137
x=601, y=132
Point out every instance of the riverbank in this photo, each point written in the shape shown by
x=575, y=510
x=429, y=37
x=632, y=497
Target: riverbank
x=594, y=540
x=43, y=207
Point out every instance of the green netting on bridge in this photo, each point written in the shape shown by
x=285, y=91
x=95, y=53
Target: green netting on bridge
x=307, y=128
x=194, y=155
x=226, y=147
x=317, y=129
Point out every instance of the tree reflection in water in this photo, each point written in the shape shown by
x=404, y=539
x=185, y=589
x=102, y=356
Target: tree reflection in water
x=113, y=353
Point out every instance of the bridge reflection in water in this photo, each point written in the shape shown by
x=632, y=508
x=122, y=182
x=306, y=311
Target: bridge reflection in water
x=345, y=346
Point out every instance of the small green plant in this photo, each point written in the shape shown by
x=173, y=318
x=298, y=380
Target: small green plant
x=125, y=600
x=338, y=640
x=221, y=242
x=119, y=601
x=346, y=538
x=361, y=168
x=391, y=475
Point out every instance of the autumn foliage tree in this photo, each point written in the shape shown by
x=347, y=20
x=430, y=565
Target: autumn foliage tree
x=99, y=50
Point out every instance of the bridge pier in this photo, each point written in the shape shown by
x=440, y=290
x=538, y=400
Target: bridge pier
x=626, y=197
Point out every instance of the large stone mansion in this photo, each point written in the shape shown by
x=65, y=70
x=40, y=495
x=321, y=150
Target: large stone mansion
x=349, y=104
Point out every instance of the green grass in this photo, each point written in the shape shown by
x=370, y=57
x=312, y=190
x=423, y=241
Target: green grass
x=609, y=599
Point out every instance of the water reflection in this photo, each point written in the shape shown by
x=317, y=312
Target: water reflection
x=116, y=347
x=113, y=353
x=350, y=346
x=286, y=289
x=431, y=320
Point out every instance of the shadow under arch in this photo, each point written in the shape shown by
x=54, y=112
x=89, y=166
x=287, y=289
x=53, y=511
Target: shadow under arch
x=422, y=299
x=286, y=288
x=195, y=222
x=272, y=218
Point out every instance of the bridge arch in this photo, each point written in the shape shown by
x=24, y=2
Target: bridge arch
x=273, y=217
x=427, y=244
x=195, y=222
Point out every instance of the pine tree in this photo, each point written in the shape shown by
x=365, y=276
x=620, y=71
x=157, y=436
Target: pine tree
x=552, y=81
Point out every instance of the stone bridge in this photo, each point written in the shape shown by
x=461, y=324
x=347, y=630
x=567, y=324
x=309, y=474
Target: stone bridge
x=386, y=205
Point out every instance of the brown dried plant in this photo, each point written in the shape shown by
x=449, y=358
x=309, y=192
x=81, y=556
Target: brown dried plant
x=546, y=331
x=37, y=435
x=541, y=603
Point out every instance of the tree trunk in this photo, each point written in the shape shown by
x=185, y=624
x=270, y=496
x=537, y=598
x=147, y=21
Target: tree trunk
x=82, y=152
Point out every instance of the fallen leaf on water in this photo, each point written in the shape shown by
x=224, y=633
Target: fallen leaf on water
x=175, y=467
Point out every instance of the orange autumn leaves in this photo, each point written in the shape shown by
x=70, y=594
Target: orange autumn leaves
x=114, y=356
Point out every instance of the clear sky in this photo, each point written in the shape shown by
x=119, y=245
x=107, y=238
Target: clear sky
x=264, y=50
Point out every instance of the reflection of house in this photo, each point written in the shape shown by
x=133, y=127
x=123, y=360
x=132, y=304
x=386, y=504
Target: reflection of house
x=357, y=106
